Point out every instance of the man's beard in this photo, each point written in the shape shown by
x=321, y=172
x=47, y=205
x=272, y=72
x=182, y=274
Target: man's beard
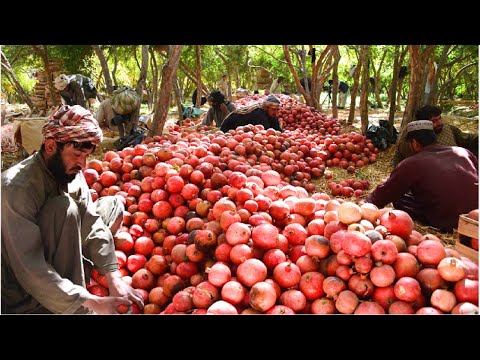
x=57, y=167
x=438, y=129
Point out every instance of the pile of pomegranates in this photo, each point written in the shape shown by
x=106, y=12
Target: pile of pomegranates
x=213, y=227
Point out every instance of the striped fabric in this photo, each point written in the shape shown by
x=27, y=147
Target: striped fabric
x=73, y=123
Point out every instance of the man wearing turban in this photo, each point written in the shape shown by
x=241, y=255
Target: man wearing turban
x=51, y=228
x=258, y=114
x=75, y=89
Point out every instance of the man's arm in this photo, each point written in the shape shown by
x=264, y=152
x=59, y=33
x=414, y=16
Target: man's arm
x=79, y=95
x=101, y=249
x=395, y=187
x=102, y=117
x=208, y=118
x=403, y=151
x=466, y=140
x=22, y=245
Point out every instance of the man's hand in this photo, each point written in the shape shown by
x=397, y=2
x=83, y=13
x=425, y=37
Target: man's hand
x=120, y=288
x=106, y=305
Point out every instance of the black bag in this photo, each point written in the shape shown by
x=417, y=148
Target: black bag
x=380, y=135
x=343, y=87
x=403, y=72
x=393, y=137
x=136, y=137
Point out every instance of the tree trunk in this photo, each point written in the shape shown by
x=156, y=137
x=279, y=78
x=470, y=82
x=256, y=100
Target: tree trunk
x=168, y=76
x=14, y=80
x=418, y=60
x=336, y=60
x=115, y=63
x=319, y=73
x=140, y=85
x=154, y=85
x=353, y=94
x=364, y=55
x=308, y=98
x=178, y=99
x=105, y=70
x=400, y=82
x=229, y=75
x=41, y=50
x=376, y=76
x=432, y=96
x=393, y=87
x=303, y=67
x=198, y=61
x=192, y=76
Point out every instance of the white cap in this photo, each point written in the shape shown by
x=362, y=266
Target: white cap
x=419, y=125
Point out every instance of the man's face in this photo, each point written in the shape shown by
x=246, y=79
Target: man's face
x=65, y=164
x=437, y=124
x=272, y=111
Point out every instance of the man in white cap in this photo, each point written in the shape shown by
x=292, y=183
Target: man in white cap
x=447, y=134
x=264, y=113
x=50, y=226
x=435, y=185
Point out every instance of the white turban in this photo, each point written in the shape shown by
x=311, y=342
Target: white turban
x=61, y=82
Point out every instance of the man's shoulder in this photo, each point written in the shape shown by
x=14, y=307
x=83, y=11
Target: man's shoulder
x=21, y=178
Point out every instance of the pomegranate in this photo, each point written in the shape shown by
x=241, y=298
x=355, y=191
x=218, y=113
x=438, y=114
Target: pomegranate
x=219, y=274
x=430, y=252
x=252, y=271
x=407, y=289
x=430, y=280
x=280, y=310
x=346, y=302
x=382, y=275
x=385, y=296
x=406, y=265
x=443, y=300
x=287, y=274
x=356, y=244
x=401, y=307
x=317, y=245
x=221, y=308
x=397, y=222
x=332, y=286
x=262, y=296
x=311, y=285
x=294, y=299
x=384, y=251
x=451, y=269
x=233, y=292
x=465, y=308
x=369, y=308
x=323, y=306
x=466, y=290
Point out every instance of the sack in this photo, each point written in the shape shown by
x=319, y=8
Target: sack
x=136, y=137
x=125, y=100
x=380, y=136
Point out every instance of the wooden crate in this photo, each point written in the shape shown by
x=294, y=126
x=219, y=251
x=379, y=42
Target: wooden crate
x=467, y=227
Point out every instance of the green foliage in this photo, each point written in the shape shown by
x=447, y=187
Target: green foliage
x=77, y=59
x=23, y=63
x=459, y=76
